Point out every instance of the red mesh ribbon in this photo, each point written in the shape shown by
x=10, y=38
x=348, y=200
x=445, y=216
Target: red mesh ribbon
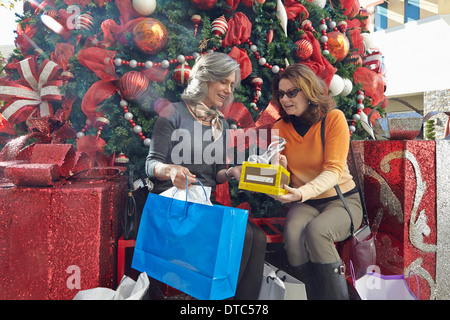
x=157, y=74
x=63, y=52
x=240, y=114
x=32, y=94
x=93, y=146
x=354, y=31
x=234, y=4
x=98, y=92
x=372, y=84
x=101, y=62
x=350, y=7
x=240, y=55
x=317, y=62
x=127, y=11
x=239, y=30
x=295, y=9
x=24, y=35
x=113, y=32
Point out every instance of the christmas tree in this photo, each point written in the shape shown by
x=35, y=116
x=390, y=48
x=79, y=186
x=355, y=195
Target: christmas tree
x=107, y=68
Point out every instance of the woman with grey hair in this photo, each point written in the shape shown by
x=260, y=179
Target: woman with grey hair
x=190, y=143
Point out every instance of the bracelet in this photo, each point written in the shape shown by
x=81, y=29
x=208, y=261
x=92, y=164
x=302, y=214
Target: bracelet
x=227, y=175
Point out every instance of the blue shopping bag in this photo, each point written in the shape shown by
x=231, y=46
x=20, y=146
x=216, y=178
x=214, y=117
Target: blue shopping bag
x=195, y=248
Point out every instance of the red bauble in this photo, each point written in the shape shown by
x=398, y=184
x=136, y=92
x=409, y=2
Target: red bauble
x=219, y=26
x=150, y=36
x=306, y=25
x=181, y=74
x=121, y=159
x=204, y=4
x=338, y=45
x=133, y=84
x=304, y=49
x=84, y=22
x=356, y=60
x=257, y=82
x=269, y=36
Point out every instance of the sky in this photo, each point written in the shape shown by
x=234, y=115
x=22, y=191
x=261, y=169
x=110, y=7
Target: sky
x=8, y=24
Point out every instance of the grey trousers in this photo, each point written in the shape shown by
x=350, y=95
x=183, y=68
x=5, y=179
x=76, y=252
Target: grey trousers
x=310, y=232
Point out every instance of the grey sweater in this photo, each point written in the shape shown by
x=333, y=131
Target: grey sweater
x=179, y=138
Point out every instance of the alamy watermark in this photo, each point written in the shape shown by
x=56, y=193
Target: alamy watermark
x=74, y=280
x=190, y=150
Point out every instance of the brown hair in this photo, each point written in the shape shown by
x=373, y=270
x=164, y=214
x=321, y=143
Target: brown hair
x=312, y=86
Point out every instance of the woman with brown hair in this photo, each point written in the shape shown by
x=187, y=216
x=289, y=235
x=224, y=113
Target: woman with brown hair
x=317, y=218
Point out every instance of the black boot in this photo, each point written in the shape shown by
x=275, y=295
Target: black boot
x=305, y=274
x=331, y=283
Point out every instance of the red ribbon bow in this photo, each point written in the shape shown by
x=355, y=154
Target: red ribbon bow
x=239, y=30
x=32, y=94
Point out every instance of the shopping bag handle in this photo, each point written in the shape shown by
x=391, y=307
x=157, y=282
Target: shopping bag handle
x=187, y=189
x=186, y=200
x=204, y=191
x=409, y=283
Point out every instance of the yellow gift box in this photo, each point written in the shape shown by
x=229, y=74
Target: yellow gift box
x=264, y=178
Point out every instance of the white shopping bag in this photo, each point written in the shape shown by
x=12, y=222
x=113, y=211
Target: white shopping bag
x=295, y=289
x=272, y=288
x=196, y=193
x=278, y=285
x=375, y=286
x=128, y=289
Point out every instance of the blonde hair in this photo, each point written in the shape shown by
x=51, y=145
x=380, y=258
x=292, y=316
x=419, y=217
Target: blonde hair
x=210, y=67
x=314, y=88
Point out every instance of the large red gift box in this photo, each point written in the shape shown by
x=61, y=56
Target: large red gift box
x=55, y=241
x=400, y=195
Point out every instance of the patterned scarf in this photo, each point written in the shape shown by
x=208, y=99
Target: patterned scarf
x=209, y=116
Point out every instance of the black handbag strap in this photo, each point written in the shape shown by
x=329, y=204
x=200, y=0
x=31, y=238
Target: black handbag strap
x=338, y=189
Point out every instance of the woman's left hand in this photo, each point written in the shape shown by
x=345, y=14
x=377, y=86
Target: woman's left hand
x=292, y=195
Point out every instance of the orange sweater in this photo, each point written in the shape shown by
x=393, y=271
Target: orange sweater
x=314, y=172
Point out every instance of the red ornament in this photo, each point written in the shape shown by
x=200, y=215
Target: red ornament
x=204, y=4
x=219, y=26
x=373, y=61
x=150, y=36
x=304, y=49
x=133, y=84
x=269, y=36
x=307, y=25
x=121, y=159
x=356, y=60
x=84, y=22
x=196, y=19
x=338, y=45
x=181, y=74
x=257, y=82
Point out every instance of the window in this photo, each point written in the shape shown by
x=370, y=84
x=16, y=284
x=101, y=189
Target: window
x=380, y=18
x=412, y=10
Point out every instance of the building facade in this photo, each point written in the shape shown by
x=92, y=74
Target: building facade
x=413, y=36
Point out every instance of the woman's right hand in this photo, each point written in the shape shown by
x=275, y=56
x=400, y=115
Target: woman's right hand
x=280, y=160
x=178, y=176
